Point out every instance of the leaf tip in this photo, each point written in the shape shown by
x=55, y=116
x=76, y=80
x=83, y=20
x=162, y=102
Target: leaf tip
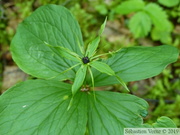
x=70, y=104
x=65, y=97
x=45, y=43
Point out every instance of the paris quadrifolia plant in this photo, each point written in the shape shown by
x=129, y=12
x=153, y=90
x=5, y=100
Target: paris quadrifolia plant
x=87, y=61
x=48, y=45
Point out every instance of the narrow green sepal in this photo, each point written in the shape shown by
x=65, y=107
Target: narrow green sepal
x=91, y=50
x=122, y=82
x=92, y=80
x=70, y=104
x=102, y=67
x=64, y=71
x=65, y=52
x=79, y=79
x=92, y=46
x=102, y=27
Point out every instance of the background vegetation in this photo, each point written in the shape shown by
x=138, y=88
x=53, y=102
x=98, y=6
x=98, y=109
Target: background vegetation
x=122, y=30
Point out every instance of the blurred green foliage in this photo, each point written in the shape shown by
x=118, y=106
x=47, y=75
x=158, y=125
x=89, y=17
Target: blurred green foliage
x=130, y=22
x=169, y=3
x=145, y=15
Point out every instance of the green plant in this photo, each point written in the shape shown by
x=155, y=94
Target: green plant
x=170, y=109
x=48, y=45
x=169, y=3
x=148, y=18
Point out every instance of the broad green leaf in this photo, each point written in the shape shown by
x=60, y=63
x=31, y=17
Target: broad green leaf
x=39, y=107
x=162, y=122
x=169, y=3
x=130, y=6
x=79, y=79
x=157, y=15
x=52, y=24
x=102, y=67
x=137, y=63
x=112, y=112
x=140, y=24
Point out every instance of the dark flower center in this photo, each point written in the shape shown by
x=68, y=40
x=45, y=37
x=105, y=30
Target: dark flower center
x=85, y=60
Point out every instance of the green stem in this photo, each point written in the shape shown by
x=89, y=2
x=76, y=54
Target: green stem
x=65, y=71
x=92, y=79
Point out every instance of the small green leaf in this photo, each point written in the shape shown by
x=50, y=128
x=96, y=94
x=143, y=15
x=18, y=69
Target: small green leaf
x=102, y=27
x=130, y=6
x=102, y=67
x=91, y=50
x=162, y=122
x=112, y=112
x=169, y=3
x=92, y=46
x=140, y=24
x=39, y=107
x=79, y=79
x=164, y=35
x=137, y=63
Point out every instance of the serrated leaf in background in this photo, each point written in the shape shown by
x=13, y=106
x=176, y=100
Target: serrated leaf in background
x=130, y=6
x=169, y=3
x=157, y=15
x=162, y=122
x=163, y=36
x=163, y=26
x=140, y=24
